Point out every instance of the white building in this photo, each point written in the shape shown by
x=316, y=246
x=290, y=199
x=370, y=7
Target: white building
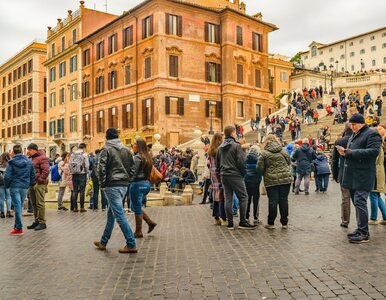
x=365, y=51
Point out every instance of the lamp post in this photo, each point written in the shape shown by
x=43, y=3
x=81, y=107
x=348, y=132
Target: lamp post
x=211, y=105
x=322, y=66
x=332, y=81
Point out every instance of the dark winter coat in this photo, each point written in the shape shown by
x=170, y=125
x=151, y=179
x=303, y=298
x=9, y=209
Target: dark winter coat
x=274, y=165
x=20, y=172
x=230, y=159
x=42, y=167
x=337, y=160
x=304, y=157
x=321, y=165
x=252, y=175
x=361, y=154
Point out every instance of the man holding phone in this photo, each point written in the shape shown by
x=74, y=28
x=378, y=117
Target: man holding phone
x=359, y=172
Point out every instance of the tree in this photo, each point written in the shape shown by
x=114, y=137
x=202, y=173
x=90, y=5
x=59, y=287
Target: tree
x=296, y=59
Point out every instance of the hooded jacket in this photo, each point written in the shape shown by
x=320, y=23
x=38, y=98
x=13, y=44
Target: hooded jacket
x=42, y=167
x=230, y=159
x=321, y=165
x=116, y=165
x=274, y=165
x=252, y=175
x=304, y=157
x=20, y=173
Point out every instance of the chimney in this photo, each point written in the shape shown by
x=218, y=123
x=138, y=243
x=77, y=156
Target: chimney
x=69, y=17
x=60, y=24
x=242, y=7
x=49, y=31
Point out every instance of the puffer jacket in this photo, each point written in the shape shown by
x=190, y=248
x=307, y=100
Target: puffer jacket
x=20, y=173
x=230, y=159
x=321, y=165
x=116, y=166
x=42, y=167
x=252, y=175
x=274, y=165
x=304, y=157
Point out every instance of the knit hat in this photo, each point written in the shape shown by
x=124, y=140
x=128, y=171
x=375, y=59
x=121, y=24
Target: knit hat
x=357, y=118
x=111, y=134
x=33, y=146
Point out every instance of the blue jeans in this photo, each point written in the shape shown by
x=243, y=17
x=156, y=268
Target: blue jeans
x=114, y=197
x=18, y=195
x=138, y=192
x=5, y=195
x=375, y=202
x=173, y=182
x=235, y=206
x=321, y=182
x=359, y=198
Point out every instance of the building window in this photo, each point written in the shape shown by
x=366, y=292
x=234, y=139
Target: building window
x=174, y=106
x=383, y=34
x=351, y=44
x=113, y=43
x=62, y=69
x=86, y=89
x=30, y=106
x=362, y=51
x=373, y=48
x=332, y=59
x=62, y=96
x=173, y=66
x=73, y=91
x=372, y=38
x=127, y=36
x=352, y=54
x=314, y=51
x=384, y=45
x=361, y=41
x=147, y=67
x=213, y=72
x=30, y=66
x=127, y=74
x=100, y=121
x=73, y=124
x=127, y=116
x=86, y=57
x=342, y=56
x=384, y=60
x=74, y=36
x=239, y=35
x=112, y=82
x=60, y=125
x=52, y=127
x=257, y=42
x=240, y=109
x=341, y=46
x=257, y=78
x=45, y=126
x=29, y=86
x=99, y=85
x=52, y=49
x=24, y=69
x=52, y=99
x=330, y=50
x=14, y=111
x=306, y=57
x=147, y=112
x=52, y=74
x=63, y=44
x=113, y=117
x=73, y=63
x=320, y=52
x=86, y=124
x=3, y=100
x=173, y=24
x=373, y=63
x=240, y=74
x=283, y=76
x=100, y=47
x=212, y=33
x=147, y=27
x=4, y=82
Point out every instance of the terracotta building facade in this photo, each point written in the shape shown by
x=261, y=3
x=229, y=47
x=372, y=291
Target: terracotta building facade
x=170, y=67
x=64, y=75
x=22, y=90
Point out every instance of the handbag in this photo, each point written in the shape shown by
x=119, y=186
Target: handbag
x=155, y=175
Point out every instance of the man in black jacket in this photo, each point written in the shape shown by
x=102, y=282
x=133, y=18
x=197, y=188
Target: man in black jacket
x=359, y=171
x=230, y=160
x=115, y=171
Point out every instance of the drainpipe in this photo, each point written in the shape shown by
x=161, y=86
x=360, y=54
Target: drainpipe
x=136, y=72
x=221, y=83
x=93, y=85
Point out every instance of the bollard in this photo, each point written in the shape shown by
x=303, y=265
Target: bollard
x=187, y=195
x=168, y=199
x=163, y=188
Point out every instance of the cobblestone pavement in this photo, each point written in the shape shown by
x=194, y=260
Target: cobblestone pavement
x=187, y=257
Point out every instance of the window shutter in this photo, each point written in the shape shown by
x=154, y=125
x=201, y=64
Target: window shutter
x=102, y=87
x=167, y=23
x=152, y=111
x=110, y=117
x=143, y=28
x=240, y=74
x=254, y=41
x=179, y=26
x=171, y=65
x=144, y=113
x=96, y=86
x=219, y=109
x=151, y=25
x=258, y=78
x=167, y=105
x=130, y=35
x=110, y=45
x=109, y=85
x=261, y=48
x=207, y=108
x=124, y=39
x=124, y=116
x=218, y=33
x=218, y=73
x=181, y=106
x=115, y=42
x=206, y=71
x=131, y=116
x=206, y=32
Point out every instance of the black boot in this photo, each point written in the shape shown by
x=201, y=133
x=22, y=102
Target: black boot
x=2, y=215
x=9, y=214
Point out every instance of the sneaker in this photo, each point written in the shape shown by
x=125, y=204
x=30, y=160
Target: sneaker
x=224, y=222
x=33, y=225
x=296, y=193
x=64, y=209
x=373, y=222
x=270, y=227
x=9, y=215
x=99, y=245
x=127, y=249
x=284, y=226
x=344, y=225
x=235, y=214
x=383, y=222
x=203, y=202
x=246, y=226
x=230, y=226
x=349, y=235
x=307, y=193
x=2, y=215
x=27, y=214
x=256, y=221
x=359, y=239
x=16, y=232
x=82, y=210
x=40, y=226
x=75, y=210
x=217, y=222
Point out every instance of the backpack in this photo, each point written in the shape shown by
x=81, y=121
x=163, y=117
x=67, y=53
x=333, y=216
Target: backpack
x=76, y=163
x=55, y=176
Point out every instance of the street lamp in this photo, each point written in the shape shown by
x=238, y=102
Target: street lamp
x=332, y=82
x=323, y=67
x=211, y=105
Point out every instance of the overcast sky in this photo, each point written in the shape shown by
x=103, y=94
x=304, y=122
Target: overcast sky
x=300, y=21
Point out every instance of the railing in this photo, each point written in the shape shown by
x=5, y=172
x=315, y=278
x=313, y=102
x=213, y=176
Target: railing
x=358, y=79
x=58, y=136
